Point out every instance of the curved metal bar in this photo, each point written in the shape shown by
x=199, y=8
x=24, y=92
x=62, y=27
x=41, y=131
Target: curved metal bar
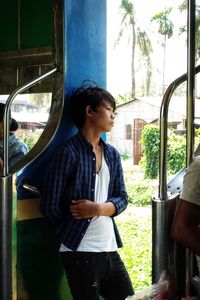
x=6, y=200
x=6, y=114
x=32, y=189
x=163, y=132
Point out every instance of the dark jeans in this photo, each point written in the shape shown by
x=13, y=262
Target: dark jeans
x=91, y=274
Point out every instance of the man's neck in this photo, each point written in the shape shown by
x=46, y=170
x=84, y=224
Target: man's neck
x=92, y=137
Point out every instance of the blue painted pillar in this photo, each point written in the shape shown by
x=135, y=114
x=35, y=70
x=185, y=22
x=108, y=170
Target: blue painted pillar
x=84, y=45
x=85, y=42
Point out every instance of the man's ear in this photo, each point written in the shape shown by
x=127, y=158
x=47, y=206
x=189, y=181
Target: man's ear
x=89, y=111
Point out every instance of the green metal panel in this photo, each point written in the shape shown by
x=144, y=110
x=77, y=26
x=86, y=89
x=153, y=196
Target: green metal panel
x=8, y=25
x=40, y=275
x=28, y=26
x=36, y=23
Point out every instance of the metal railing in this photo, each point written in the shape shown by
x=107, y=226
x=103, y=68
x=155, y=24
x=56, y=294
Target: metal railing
x=161, y=225
x=9, y=101
x=6, y=207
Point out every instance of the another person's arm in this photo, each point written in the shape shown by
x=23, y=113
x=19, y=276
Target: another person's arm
x=17, y=150
x=185, y=228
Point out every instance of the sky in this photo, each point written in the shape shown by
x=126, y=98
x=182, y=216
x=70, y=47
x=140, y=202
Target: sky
x=119, y=58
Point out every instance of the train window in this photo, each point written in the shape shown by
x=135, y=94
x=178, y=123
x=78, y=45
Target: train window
x=31, y=111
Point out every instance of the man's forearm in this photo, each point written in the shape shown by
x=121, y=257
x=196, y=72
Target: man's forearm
x=185, y=227
x=106, y=209
x=84, y=209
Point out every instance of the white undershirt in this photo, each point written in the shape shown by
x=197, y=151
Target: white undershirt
x=100, y=234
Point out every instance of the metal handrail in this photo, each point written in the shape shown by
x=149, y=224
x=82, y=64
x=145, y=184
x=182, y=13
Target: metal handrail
x=8, y=103
x=6, y=201
x=31, y=189
x=163, y=132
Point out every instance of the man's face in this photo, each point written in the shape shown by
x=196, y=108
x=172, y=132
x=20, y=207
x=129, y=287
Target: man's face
x=103, y=117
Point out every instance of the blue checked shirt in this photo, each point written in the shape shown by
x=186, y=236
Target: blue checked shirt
x=16, y=149
x=71, y=175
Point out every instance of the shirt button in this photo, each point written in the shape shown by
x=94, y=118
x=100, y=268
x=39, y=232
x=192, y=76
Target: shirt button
x=92, y=190
x=93, y=174
x=93, y=158
x=88, y=220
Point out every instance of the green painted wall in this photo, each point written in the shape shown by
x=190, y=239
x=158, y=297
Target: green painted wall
x=8, y=25
x=35, y=23
x=40, y=274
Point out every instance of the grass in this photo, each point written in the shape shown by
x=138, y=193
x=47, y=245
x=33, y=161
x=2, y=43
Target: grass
x=140, y=190
x=135, y=226
x=135, y=230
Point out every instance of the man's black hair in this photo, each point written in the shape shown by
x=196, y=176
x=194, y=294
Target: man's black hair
x=93, y=96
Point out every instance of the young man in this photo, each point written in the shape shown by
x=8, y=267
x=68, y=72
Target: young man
x=186, y=225
x=83, y=191
x=16, y=148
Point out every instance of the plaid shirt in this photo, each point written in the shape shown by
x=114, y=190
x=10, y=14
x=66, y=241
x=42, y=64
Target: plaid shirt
x=71, y=175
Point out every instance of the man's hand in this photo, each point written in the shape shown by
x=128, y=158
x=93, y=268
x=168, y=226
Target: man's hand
x=83, y=209
x=86, y=209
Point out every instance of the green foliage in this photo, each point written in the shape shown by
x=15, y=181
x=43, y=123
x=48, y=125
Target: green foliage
x=140, y=194
x=176, y=151
x=140, y=190
x=127, y=6
x=144, y=43
x=150, y=143
x=165, y=25
x=176, y=157
x=124, y=156
x=120, y=99
x=30, y=138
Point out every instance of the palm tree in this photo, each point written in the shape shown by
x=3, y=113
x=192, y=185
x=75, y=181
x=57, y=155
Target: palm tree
x=165, y=28
x=183, y=29
x=146, y=49
x=137, y=36
x=128, y=20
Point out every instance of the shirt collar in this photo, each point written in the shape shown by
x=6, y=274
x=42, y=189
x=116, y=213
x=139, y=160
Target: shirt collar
x=83, y=140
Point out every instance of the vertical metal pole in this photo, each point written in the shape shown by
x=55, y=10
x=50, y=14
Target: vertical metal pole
x=190, y=112
x=190, y=79
x=6, y=238
x=6, y=214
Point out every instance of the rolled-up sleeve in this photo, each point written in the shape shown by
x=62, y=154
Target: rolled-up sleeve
x=55, y=181
x=191, y=183
x=118, y=195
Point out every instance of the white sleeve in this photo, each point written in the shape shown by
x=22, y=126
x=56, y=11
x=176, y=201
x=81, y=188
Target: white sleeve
x=191, y=183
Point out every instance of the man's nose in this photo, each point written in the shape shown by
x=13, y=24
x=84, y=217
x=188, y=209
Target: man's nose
x=113, y=115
